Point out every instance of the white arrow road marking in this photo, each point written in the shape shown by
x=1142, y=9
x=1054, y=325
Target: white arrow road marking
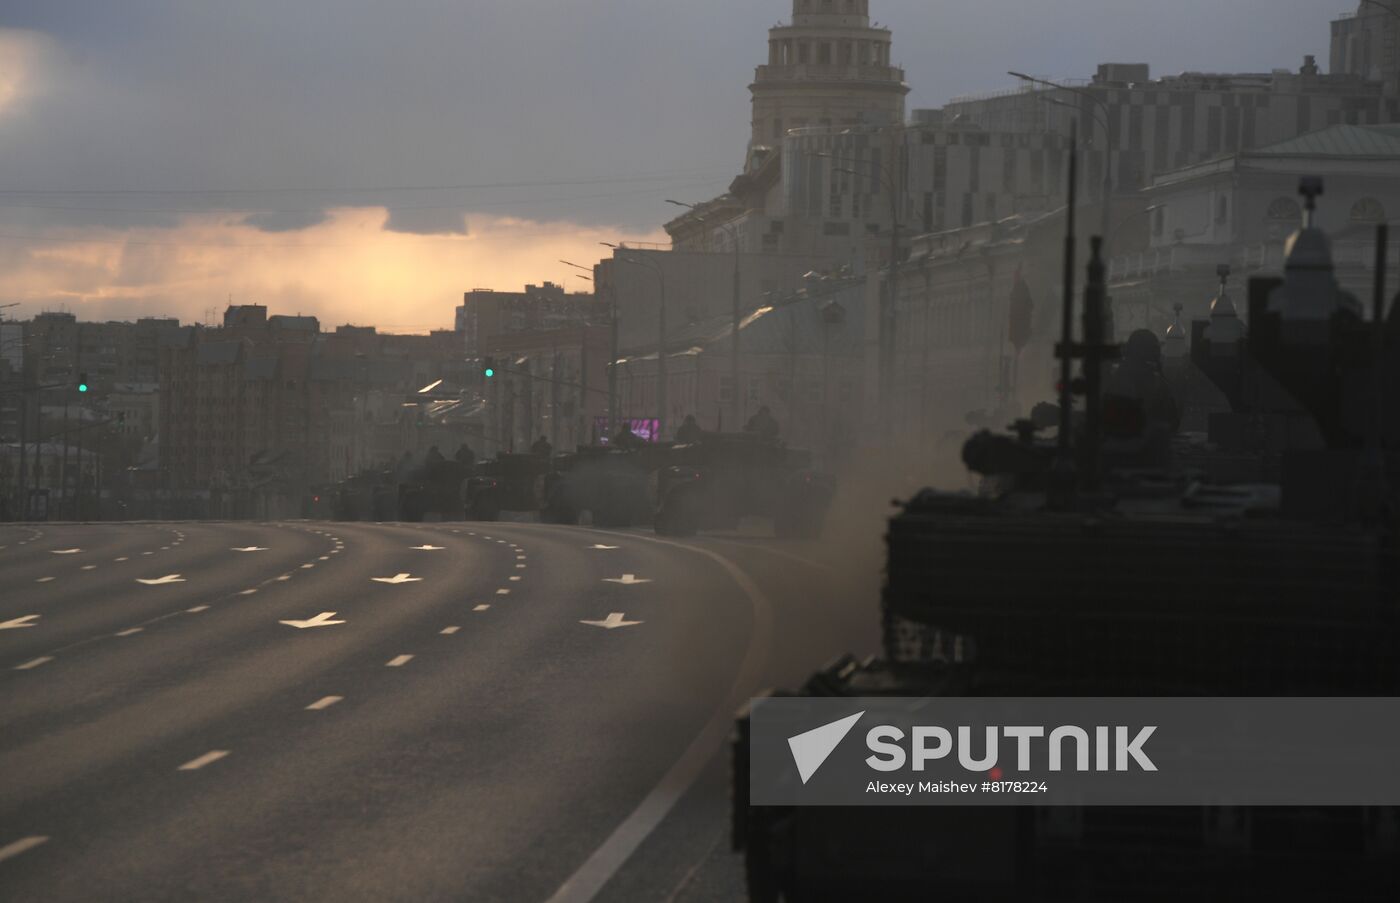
x=398, y=661
x=26, y=621
x=250, y=549
x=612, y=622
x=481, y=608
x=212, y=755
x=324, y=702
x=426, y=548
x=397, y=578
x=600, y=546
x=161, y=581
x=626, y=580
x=9, y=851
x=321, y=620
x=64, y=551
x=448, y=631
x=34, y=663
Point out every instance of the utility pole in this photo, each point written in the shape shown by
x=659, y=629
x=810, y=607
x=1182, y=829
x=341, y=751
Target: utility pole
x=661, y=375
x=889, y=298
x=1108, y=143
x=736, y=314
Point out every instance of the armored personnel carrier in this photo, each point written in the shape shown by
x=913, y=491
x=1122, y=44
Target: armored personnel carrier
x=1083, y=571
x=611, y=484
x=371, y=495
x=722, y=477
x=508, y=482
x=434, y=488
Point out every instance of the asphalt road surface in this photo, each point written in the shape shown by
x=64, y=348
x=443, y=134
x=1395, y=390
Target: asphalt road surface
x=347, y=711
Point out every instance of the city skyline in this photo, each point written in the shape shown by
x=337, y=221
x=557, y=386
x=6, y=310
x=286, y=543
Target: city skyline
x=99, y=103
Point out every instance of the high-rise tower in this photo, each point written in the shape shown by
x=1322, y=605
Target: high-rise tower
x=828, y=68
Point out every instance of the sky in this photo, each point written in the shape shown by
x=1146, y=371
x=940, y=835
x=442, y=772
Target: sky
x=367, y=161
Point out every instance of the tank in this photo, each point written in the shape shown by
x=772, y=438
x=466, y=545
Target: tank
x=1081, y=570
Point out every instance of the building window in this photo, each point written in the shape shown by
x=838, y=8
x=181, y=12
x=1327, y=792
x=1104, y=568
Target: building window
x=1284, y=210
x=1367, y=210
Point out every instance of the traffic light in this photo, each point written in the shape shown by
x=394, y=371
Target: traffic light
x=82, y=382
x=488, y=367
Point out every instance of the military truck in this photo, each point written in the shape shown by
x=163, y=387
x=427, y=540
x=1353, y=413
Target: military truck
x=508, y=482
x=1071, y=576
x=715, y=481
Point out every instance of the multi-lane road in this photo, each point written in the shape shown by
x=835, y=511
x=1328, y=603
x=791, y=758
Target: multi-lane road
x=454, y=711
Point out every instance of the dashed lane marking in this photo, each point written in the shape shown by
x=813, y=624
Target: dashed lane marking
x=503, y=592
x=398, y=661
x=211, y=756
x=44, y=580
x=514, y=577
x=197, y=609
x=248, y=592
x=324, y=702
x=130, y=631
x=481, y=608
x=448, y=631
x=34, y=663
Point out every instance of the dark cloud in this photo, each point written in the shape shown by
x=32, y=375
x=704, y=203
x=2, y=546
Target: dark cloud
x=426, y=222
x=285, y=220
x=340, y=94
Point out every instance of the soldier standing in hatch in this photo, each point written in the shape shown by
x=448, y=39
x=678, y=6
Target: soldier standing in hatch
x=763, y=423
x=689, y=430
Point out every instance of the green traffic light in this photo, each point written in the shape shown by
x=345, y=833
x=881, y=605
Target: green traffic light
x=82, y=387
x=490, y=373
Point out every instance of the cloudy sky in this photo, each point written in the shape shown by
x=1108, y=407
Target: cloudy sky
x=366, y=161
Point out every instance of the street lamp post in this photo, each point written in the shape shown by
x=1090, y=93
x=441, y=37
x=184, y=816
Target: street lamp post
x=736, y=401
x=1108, y=136
x=612, y=345
x=661, y=375
x=890, y=297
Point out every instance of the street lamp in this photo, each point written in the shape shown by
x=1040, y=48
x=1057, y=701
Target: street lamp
x=1107, y=134
x=737, y=411
x=660, y=336
x=612, y=344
